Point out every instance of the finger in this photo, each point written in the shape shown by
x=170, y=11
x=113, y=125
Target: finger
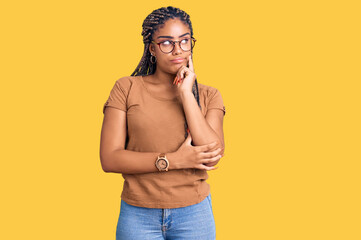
x=208, y=168
x=206, y=147
x=178, y=72
x=178, y=81
x=181, y=72
x=213, y=153
x=214, y=147
x=211, y=160
x=190, y=62
x=211, y=146
x=211, y=164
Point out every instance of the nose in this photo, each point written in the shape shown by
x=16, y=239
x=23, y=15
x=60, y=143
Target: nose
x=177, y=49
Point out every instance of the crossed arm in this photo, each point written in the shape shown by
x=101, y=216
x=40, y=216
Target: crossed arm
x=114, y=158
x=203, y=130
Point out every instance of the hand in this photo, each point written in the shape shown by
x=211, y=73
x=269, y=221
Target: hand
x=211, y=164
x=188, y=156
x=185, y=77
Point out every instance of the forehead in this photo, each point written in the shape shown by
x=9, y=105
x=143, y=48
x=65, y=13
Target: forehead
x=173, y=28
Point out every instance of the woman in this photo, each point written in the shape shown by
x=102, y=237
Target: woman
x=150, y=120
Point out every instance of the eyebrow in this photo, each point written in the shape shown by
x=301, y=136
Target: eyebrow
x=171, y=36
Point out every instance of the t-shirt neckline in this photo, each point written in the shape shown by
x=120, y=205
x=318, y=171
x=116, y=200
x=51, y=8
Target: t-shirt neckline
x=155, y=96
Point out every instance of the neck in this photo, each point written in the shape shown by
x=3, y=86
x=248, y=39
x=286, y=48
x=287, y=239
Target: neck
x=163, y=78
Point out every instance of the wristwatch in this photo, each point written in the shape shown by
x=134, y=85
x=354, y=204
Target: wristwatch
x=162, y=162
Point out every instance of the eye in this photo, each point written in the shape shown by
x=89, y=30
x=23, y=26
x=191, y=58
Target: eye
x=166, y=42
x=185, y=40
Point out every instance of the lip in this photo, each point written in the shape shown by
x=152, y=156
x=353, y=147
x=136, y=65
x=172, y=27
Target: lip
x=177, y=60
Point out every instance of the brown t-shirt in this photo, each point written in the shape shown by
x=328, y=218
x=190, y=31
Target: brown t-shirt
x=156, y=124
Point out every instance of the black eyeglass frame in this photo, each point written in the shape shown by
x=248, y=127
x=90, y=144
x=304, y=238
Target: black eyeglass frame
x=173, y=43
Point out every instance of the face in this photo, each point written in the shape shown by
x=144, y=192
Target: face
x=175, y=30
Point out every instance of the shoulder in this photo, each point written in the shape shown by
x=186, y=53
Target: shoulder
x=125, y=83
x=206, y=90
x=127, y=80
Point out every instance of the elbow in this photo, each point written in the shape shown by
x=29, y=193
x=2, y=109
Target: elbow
x=106, y=168
x=220, y=145
x=109, y=162
x=105, y=164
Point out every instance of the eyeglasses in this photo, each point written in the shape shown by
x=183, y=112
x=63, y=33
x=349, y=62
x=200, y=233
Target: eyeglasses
x=167, y=46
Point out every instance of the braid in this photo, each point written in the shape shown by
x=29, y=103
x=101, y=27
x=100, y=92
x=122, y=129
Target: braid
x=150, y=25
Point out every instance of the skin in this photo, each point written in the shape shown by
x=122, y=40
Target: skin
x=206, y=132
x=161, y=82
x=177, y=80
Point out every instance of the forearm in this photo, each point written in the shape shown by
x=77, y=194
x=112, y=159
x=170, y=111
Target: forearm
x=132, y=162
x=202, y=133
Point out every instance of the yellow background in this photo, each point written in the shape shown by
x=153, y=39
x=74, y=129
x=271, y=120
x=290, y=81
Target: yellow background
x=289, y=74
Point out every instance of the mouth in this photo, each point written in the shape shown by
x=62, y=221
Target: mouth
x=177, y=60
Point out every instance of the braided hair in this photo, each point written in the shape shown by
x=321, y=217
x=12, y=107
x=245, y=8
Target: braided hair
x=150, y=25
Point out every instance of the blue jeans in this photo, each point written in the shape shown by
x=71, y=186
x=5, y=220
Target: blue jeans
x=191, y=222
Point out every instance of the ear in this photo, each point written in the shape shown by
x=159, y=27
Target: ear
x=151, y=49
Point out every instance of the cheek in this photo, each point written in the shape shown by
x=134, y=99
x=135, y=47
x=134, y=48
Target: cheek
x=163, y=62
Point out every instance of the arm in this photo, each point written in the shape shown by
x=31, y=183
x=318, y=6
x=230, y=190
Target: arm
x=113, y=156
x=122, y=161
x=203, y=129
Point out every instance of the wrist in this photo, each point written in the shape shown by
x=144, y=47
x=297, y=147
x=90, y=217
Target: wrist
x=185, y=94
x=172, y=159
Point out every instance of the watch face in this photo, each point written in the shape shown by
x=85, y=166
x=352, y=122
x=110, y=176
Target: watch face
x=162, y=163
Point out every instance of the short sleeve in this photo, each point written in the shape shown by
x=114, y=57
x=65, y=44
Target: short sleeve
x=215, y=100
x=118, y=96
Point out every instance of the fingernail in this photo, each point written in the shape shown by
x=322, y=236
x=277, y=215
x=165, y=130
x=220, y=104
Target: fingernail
x=175, y=79
x=187, y=130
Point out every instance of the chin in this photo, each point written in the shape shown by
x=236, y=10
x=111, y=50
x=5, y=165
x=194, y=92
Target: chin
x=178, y=66
x=174, y=69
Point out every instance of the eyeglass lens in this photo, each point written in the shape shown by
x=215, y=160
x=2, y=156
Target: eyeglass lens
x=186, y=45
